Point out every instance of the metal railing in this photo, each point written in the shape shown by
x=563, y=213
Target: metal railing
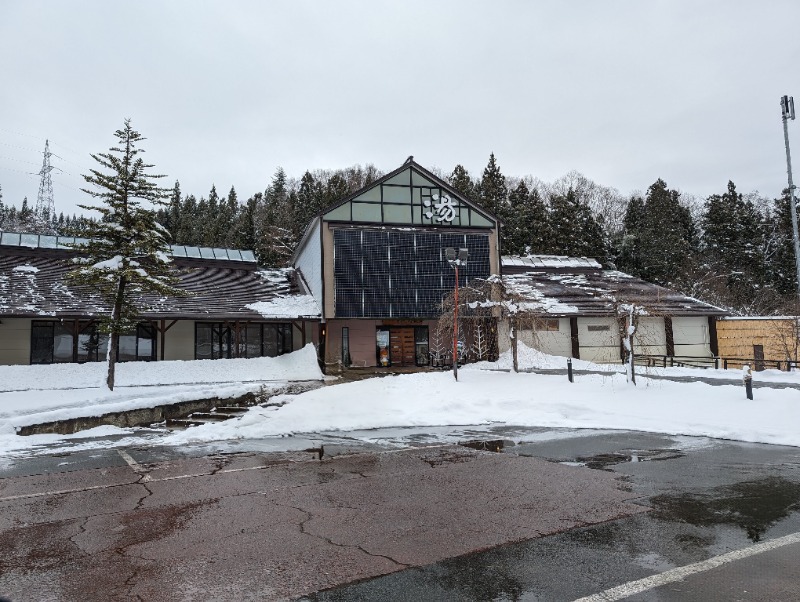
x=725, y=363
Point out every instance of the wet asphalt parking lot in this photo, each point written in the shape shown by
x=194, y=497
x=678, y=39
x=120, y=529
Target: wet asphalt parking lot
x=703, y=499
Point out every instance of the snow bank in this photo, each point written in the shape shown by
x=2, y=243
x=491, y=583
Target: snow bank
x=479, y=397
x=299, y=365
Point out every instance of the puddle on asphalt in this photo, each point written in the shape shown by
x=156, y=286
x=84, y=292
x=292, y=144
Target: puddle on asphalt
x=751, y=505
x=604, y=461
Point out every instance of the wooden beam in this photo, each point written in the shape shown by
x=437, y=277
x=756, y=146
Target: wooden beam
x=162, y=330
x=712, y=335
x=670, y=336
x=573, y=333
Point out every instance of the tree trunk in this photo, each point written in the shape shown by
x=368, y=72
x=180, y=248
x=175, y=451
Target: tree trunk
x=113, y=339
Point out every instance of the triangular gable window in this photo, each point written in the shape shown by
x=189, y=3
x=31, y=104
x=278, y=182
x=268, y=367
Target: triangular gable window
x=409, y=198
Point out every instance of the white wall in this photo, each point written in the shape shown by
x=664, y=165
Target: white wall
x=691, y=336
x=650, y=337
x=15, y=341
x=600, y=346
x=551, y=342
x=179, y=343
x=309, y=262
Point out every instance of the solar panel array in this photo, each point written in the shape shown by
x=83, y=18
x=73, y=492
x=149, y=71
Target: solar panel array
x=45, y=241
x=400, y=273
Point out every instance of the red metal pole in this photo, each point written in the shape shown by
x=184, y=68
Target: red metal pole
x=455, y=329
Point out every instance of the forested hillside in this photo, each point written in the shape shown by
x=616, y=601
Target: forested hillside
x=731, y=249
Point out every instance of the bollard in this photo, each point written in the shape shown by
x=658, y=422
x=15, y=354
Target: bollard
x=569, y=370
x=747, y=377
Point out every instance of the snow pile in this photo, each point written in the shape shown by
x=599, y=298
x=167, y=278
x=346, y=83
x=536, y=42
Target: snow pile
x=32, y=269
x=300, y=365
x=286, y=306
x=481, y=397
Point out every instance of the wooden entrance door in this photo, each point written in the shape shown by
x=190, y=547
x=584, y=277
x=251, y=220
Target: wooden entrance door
x=758, y=357
x=401, y=343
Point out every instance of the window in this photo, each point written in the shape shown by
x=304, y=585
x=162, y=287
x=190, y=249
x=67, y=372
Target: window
x=346, y=346
x=41, y=342
x=138, y=347
x=548, y=325
x=92, y=345
x=214, y=340
x=421, y=345
x=252, y=344
x=598, y=327
x=54, y=342
x=382, y=347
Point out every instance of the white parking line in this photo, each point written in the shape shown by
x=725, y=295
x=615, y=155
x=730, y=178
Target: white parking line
x=679, y=574
x=137, y=468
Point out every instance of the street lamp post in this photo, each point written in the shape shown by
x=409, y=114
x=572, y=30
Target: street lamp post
x=456, y=259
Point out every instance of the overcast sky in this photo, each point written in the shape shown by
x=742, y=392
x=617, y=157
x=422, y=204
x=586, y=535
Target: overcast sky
x=225, y=92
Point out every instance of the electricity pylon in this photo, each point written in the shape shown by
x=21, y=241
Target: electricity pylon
x=45, y=206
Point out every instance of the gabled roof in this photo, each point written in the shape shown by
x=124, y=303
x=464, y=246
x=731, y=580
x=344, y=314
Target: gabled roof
x=597, y=292
x=420, y=177
x=32, y=284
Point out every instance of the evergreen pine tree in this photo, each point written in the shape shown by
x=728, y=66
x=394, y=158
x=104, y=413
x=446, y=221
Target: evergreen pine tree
x=211, y=229
x=187, y=222
x=493, y=193
x=126, y=254
x=526, y=229
x=665, y=237
x=310, y=200
x=462, y=182
x=574, y=231
x=226, y=220
x=732, y=232
x=172, y=218
x=782, y=266
x=628, y=251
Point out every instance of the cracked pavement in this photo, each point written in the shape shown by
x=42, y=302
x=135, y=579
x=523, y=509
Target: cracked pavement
x=278, y=526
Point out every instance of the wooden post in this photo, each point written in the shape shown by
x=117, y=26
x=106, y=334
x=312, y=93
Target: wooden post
x=670, y=335
x=573, y=333
x=162, y=329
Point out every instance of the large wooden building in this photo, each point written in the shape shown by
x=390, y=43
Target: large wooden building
x=376, y=264
x=232, y=308
x=579, y=309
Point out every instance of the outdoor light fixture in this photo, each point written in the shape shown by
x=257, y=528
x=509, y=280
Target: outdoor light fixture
x=456, y=259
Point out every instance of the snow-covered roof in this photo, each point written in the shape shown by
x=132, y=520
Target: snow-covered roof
x=599, y=293
x=32, y=284
x=533, y=262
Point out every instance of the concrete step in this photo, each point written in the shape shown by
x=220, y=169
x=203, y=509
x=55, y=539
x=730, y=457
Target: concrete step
x=183, y=423
x=211, y=416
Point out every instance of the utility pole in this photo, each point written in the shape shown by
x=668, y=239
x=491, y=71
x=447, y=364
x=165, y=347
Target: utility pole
x=456, y=258
x=45, y=206
x=787, y=112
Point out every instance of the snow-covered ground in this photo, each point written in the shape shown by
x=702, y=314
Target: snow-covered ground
x=481, y=396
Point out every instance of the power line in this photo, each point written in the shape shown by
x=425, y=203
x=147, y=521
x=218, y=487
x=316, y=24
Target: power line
x=18, y=160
